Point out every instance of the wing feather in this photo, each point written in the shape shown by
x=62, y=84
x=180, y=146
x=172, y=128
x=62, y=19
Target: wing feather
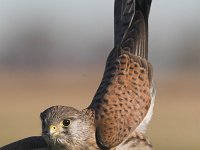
x=30, y=143
x=122, y=100
x=124, y=95
x=123, y=13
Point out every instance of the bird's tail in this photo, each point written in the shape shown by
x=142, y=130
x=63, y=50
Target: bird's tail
x=131, y=26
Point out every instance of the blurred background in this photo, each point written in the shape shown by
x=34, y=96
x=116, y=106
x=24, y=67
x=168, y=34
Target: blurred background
x=54, y=52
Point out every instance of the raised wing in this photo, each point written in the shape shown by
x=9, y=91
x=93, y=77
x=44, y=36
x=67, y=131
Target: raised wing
x=30, y=143
x=123, y=12
x=123, y=97
x=135, y=39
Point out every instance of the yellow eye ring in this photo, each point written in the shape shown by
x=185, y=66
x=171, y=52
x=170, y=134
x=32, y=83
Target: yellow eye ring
x=65, y=123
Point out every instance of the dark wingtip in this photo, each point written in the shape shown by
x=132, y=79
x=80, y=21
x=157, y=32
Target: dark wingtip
x=34, y=142
x=144, y=6
x=135, y=39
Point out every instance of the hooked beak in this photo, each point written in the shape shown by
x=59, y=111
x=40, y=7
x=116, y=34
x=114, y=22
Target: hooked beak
x=53, y=130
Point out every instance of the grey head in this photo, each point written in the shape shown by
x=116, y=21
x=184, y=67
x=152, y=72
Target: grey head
x=67, y=128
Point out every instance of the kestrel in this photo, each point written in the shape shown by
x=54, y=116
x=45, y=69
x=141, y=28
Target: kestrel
x=123, y=104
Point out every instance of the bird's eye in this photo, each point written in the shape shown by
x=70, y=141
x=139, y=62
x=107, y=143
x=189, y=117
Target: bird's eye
x=65, y=123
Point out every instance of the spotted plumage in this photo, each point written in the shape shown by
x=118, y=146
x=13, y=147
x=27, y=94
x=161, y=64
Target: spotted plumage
x=122, y=101
x=117, y=117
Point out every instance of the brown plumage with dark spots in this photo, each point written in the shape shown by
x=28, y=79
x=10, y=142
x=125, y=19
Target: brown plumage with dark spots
x=123, y=104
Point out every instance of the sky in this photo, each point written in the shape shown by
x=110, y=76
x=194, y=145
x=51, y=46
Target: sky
x=81, y=32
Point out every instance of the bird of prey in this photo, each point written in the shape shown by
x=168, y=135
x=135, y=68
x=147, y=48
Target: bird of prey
x=122, y=106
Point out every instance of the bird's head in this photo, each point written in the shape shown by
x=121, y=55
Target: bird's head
x=67, y=127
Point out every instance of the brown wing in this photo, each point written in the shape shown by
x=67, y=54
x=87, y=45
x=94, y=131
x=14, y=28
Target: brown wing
x=30, y=143
x=123, y=97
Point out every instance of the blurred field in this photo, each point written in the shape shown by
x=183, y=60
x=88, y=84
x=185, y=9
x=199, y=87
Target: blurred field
x=39, y=34
x=175, y=124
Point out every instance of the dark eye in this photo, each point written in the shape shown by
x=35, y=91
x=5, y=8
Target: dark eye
x=65, y=123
